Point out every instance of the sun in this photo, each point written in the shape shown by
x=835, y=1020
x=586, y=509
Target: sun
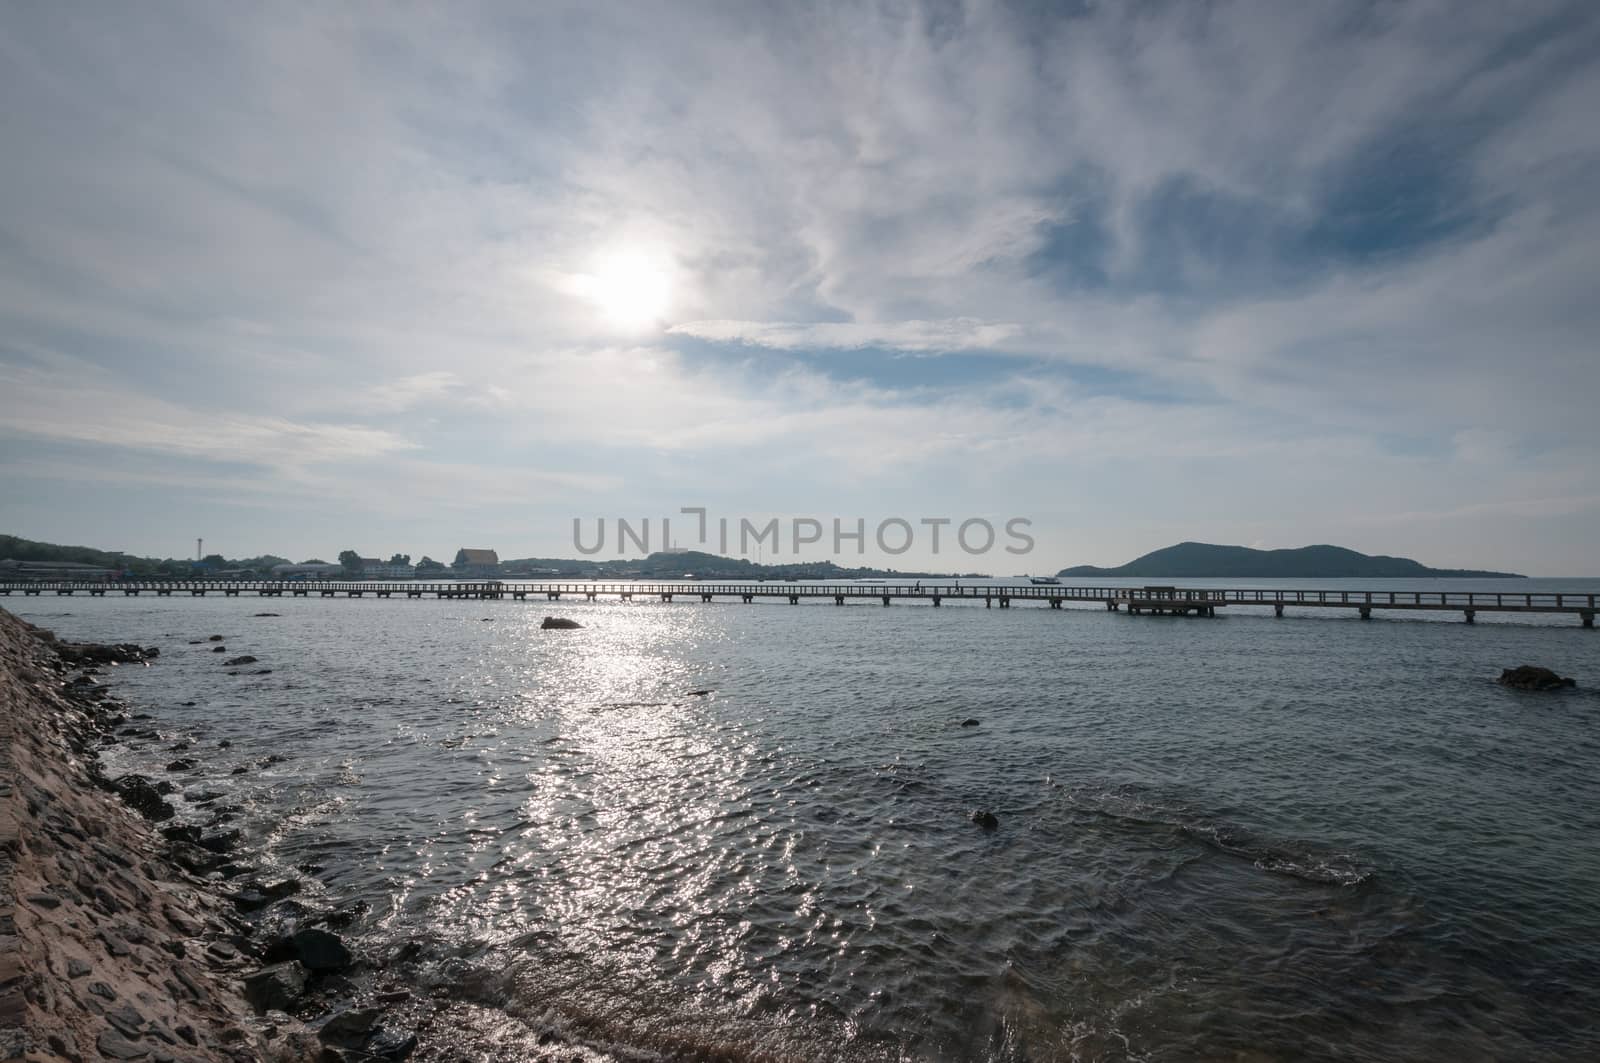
x=631, y=289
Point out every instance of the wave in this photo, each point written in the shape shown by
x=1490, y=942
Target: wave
x=1298, y=858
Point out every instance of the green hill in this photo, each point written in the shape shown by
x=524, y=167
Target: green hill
x=1205, y=561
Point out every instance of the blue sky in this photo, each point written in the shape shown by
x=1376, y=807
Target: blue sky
x=306, y=277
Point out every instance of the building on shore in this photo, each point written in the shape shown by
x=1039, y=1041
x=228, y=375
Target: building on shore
x=372, y=568
x=55, y=570
x=313, y=571
x=470, y=562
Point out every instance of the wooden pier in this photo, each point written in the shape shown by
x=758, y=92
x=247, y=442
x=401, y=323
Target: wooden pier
x=1137, y=600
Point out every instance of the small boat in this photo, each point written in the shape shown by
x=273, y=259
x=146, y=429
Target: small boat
x=1044, y=581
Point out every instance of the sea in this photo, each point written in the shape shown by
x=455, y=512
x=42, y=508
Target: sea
x=750, y=831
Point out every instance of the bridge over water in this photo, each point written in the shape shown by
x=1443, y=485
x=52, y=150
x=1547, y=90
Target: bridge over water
x=1169, y=600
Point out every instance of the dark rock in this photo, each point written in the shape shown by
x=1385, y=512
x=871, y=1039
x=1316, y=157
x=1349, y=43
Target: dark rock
x=559, y=623
x=320, y=950
x=182, y=833
x=63, y=1045
x=176, y=747
x=98, y=653
x=284, y=888
x=126, y=1019
x=269, y=614
x=248, y=901
x=276, y=758
x=103, y=991
x=275, y=987
x=699, y=693
x=1529, y=677
x=76, y=968
x=214, y=638
x=389, y=1043
x=222, y=841
x=113, y=1045
x=142, y=796
x=262, y=671
x=986, y=819
x=969, y=722
x=349, y=1027
x=181, y=764
x=240, y=770
x=44, y=900
x=219, y=649
x=244, y=658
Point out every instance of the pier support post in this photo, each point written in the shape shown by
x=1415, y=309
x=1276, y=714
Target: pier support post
x=1366, y=612
x=1472, y=615
x=885, y=599
x=1277, y=610
x=1005, y=603
x=988, y=603
x=936, y=600
x=838, y=599
x=748, y=598
x=703, y=597
x=1587, y=618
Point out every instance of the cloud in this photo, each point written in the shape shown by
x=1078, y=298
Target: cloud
x=956, y=334
x=88, y=408
x=1271, y=236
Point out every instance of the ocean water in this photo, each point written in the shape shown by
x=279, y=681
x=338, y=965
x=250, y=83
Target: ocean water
x=744, y=831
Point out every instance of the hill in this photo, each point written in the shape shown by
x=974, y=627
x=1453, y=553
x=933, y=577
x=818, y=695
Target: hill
x=1205, y=561
x=673, y=565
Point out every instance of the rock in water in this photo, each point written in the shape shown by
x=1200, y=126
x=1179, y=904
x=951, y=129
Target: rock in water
x=1529, y=677
x=276, y=987
x=559, y=623
x=350, y=1027
x=320, y=950
x=245, y=659
x=986, y=819
x=969, y=722
x=143, y=797
x=388, y=1043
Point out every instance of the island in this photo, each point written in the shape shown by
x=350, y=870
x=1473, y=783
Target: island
x=1208, y=561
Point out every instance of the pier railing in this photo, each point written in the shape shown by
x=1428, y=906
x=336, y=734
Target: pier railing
x=1155, y=599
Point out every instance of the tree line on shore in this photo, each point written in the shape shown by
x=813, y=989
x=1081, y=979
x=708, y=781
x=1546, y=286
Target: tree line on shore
x=662, y=564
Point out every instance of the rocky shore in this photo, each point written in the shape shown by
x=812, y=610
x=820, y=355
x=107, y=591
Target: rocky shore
x=124, y=936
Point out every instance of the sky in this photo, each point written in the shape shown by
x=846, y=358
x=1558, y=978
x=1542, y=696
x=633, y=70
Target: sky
x=297, y=278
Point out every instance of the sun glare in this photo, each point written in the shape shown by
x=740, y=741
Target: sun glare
x=631, y=289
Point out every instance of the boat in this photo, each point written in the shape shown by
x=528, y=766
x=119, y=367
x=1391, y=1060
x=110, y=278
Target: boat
x=1044, y=581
